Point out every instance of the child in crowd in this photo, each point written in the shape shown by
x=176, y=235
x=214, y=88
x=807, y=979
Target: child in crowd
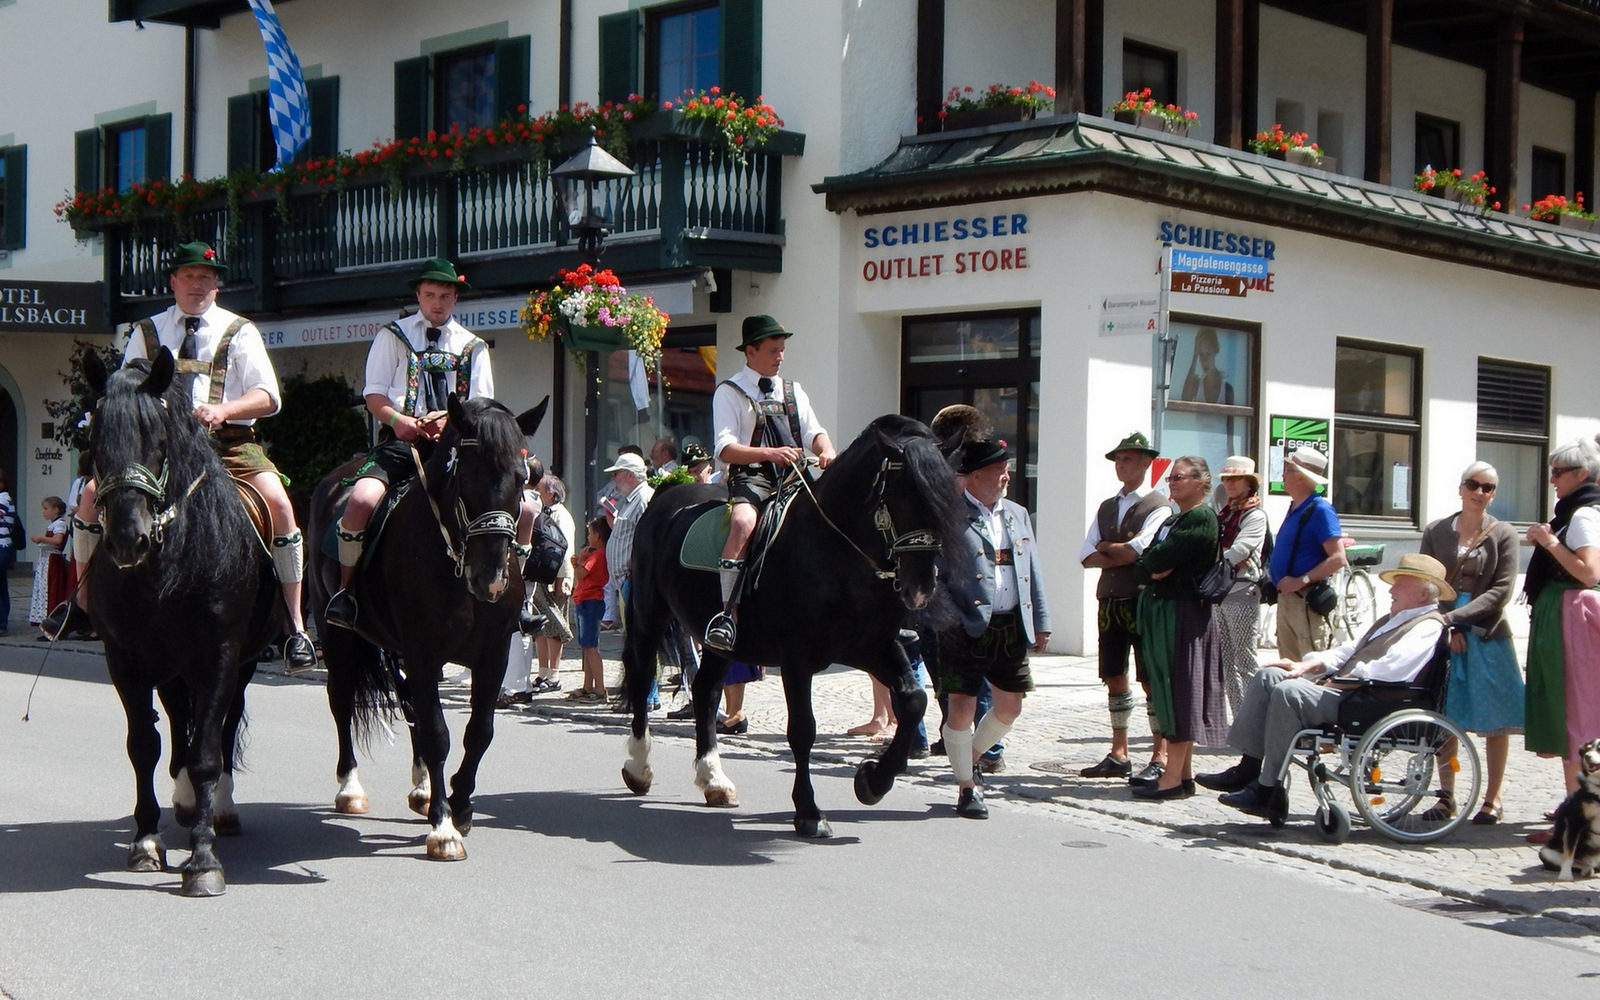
x=588, y=598
x=49, y=562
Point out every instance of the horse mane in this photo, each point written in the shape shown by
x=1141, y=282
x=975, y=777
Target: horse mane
x=210, y=543
x=924, y=463
x=494, y=426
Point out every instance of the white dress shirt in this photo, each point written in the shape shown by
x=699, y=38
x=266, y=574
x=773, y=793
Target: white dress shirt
x=388, y=362
x=735, y=419
x=249, y=367
x=1147, y=531
x=1404, y=660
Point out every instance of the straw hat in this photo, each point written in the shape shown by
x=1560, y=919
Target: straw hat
x=1311, y=463
x=1240, y=467
x=1423, y=568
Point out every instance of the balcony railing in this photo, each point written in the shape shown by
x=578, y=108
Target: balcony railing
x=688, y=193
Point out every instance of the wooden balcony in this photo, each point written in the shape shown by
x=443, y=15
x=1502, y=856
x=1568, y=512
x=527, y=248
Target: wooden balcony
x=691, y=205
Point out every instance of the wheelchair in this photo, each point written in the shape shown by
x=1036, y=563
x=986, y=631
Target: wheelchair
x=1392, y=745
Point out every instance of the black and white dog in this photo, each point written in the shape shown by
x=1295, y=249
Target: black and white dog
x=1574, y=847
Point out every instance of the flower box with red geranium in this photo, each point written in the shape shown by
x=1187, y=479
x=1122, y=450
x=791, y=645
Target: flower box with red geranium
x=712, y=116
x=1472, y=191
x=998, y=104
x=1291, y=147
x=593, y=312
x=1561, y=211
x=1140, y=108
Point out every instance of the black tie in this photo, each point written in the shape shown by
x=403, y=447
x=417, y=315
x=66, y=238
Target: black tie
x=187, y=349
x=440, y=380
x=765, y=385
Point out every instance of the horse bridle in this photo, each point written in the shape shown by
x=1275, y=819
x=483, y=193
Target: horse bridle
x=494, y=522
x=138, y=477
x=895, y=543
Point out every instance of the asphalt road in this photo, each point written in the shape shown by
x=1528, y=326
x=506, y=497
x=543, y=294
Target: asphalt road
x=573, y=886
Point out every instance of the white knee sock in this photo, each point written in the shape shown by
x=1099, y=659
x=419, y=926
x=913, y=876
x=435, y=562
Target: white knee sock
x=958, y=747
x=990, y=731
x=85, y=539
x=288, y=557
x=350, y=545
x=729, y=572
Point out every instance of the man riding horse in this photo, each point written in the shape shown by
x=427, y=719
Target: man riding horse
x=233, y=384
x=413, y=366
x=763, y=423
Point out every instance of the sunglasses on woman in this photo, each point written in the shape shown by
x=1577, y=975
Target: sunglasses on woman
x=1473, y=486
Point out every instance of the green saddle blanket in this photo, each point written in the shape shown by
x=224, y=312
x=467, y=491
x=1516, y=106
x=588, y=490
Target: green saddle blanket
x=702, y=545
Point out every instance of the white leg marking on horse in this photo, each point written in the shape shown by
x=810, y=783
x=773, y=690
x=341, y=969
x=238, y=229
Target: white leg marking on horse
x=224, y=813
x=183, y=792
x=147, y=854
x=352, y=798
x=637, y=765
x=421, y=790
x=713, y=781
x=444, y=842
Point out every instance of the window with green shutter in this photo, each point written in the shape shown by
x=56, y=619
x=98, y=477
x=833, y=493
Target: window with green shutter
x=477, y=85
x=1514, y=435
x=123, y=153
x=13, y=197
x=689, y=46
x=250, y=142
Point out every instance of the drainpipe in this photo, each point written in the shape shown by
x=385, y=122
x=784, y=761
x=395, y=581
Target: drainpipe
x=190, y=85
x=559, y=367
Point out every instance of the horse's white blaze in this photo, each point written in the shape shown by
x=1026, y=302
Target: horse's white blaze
x=444, y=842
x=352, y=798
x=638, y=762
x=183, y=791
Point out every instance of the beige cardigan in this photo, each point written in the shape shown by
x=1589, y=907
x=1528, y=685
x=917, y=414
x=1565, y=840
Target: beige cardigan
x=1487, y=572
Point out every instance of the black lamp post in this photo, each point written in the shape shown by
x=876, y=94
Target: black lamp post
x=576, y=180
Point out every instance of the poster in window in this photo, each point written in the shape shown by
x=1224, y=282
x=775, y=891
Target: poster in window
x=1211, y=364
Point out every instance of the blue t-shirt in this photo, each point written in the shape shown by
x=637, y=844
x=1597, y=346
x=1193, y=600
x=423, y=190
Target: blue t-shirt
x=1321, y=524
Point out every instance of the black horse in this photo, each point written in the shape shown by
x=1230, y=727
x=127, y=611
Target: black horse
x=440, y=588
x=183, y=593
x=834, y=587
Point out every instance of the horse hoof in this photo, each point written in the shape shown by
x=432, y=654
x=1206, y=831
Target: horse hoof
x=351, y=805
x=446, y=850
x=722, y=797
x=419, y=801
x=814, y=829
x=207, y=883
x=864, y=791
x=227, y=826
x=636, y=785
x=147, y=855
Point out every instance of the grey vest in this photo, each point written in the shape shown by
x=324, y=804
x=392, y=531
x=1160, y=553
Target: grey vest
x=1375, y=648
x=1123, y=581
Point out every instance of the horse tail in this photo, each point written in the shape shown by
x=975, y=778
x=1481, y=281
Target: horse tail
x=360, y=682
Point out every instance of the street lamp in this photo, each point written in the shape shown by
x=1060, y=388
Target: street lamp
x=576, y=180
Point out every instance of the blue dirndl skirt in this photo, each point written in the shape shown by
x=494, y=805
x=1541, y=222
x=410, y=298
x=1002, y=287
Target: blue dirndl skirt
x=1486, y=692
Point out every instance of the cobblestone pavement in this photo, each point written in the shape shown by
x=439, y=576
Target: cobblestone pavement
x=1064, y=727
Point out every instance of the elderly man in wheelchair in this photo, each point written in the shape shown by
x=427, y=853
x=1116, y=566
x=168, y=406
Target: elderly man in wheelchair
x=1376, y=700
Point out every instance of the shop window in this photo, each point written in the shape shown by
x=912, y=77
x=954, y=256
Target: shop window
x=474, y=86
x=1438, y=143
x=1513, y=436
x=662, y=51
x=683, y=49
x=1377, y=428
x=1147, y=66
x=122, y=154
x=250, y=142
x=986, y=360
x=1549, y=172
x=1211, y=406
x=13, y=197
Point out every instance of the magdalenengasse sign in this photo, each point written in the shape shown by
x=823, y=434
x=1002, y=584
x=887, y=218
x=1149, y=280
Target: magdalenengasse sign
x=52, y=307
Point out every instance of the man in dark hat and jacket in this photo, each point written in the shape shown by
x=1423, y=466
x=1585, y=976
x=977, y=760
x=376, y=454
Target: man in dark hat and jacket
x=232, y=383
x=764, y=424
x=413, y=366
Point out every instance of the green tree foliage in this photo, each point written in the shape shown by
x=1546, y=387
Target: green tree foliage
x=71, y=429
x=319, y=428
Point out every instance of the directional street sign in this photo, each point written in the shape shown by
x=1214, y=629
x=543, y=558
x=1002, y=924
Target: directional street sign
x=1130, y=313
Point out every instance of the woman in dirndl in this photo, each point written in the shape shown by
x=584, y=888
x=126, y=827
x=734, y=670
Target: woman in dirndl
x=1244, y=535
x=1563, y=702
x=1181, y=634
x=1486, y=693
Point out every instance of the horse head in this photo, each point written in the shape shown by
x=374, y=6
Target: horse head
x=476, y=478
x=131, y=440
x=896, y=472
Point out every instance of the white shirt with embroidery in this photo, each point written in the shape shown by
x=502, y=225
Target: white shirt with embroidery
x=388, y=361
x=735, y=419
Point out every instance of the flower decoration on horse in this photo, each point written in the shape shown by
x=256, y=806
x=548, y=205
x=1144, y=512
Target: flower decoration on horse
x=593, y=311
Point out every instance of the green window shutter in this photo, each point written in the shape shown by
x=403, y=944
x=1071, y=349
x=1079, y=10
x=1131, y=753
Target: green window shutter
x=512, y=64
x=88, y=159
x=15, y=234
x=411, y=97
x=158, y=147
x=242, y=132
x=619, y=55
x=323, y=95
x=741, y=47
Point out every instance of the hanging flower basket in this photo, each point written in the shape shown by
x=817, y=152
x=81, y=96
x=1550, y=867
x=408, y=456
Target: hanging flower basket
x=593, y=338
x=591, y=311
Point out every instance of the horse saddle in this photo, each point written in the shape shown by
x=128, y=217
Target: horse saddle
x=375, y=525
x=703, y=542
x=255, y=505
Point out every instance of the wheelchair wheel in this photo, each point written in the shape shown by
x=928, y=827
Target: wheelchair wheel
x=1394, y=775
x=1333, y=822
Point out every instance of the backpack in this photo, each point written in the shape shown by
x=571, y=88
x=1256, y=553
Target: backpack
x=549, y=550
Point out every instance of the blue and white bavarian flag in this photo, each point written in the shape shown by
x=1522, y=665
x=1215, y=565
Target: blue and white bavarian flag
x=288, y=109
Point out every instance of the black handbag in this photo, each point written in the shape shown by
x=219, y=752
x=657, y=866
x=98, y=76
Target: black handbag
x=1269, y=590
x=1217, y=581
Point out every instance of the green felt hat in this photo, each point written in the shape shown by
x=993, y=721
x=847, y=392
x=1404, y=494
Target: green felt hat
x=975, y=455
x=439, y=269
x=759, y=328
x=195, y=255
x=1133, y=442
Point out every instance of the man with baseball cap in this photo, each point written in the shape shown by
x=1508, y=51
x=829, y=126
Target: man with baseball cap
x=1288, y=696
x=414, y=364
x=232, y=382
x=764, y=424
x=633, y=494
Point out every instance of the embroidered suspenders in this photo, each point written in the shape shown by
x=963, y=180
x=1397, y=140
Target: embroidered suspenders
x=216, y=369
x=431, y=360
x=773, y=409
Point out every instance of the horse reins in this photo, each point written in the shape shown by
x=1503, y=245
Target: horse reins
x=494, y=522
x=916, y=540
